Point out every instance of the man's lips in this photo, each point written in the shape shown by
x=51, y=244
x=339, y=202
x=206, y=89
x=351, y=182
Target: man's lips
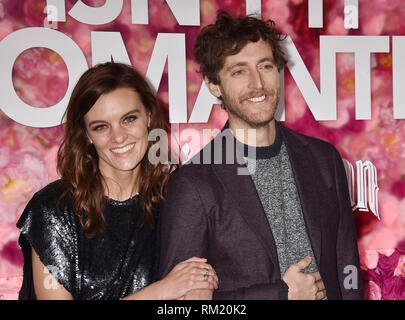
x=257, y=99
x=259, y=96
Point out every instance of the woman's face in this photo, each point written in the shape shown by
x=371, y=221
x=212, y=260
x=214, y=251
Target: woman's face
x=117, y=125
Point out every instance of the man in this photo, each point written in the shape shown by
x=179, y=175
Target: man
x=284, y=230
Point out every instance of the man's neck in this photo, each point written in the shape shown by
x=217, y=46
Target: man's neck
x=262, y=136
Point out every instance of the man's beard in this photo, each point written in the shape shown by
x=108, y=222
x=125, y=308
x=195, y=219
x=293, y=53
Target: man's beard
x=234, y=106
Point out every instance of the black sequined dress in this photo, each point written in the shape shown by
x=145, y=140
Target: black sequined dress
x=111, y=265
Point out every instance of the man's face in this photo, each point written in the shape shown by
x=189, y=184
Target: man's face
x=249, y=86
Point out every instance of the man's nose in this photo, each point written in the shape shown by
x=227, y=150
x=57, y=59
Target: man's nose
x=256, y=80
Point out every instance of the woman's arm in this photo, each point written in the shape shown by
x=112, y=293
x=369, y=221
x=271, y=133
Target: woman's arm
x=190, y=274
x=45, y=284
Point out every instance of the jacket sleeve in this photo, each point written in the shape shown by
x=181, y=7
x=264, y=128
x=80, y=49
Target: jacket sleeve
x=349, y=273
x=184, y=225
x=266, y=291
x=185, y=229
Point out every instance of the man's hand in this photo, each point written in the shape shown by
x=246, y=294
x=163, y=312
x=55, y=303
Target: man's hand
x=304, y=286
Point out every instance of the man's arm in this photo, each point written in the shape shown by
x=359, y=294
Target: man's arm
x=184, y=225
x=266, y=291
x=184, y=229
x=185, y=233
x=349, y=273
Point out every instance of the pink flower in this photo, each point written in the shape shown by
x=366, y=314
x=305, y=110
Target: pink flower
x=10, y=286
x=163, y=17
x=389, y=231
x=40, y=77
x=372, y=291
x=14, y=9
x=295, y=105
x=1, y=11
x=375, y=25
x=379, y=238
x=50, y=162
x=386, y=281
x=34, y=13
x=398, y=188
x=8, y=232
x=6, y=27
x=370, y=259
x=279, y=12
x=382, y=16
x=12, y=253
x=10, y=282
x=389, y=210
x=20, y=177
x=400, y=269
x=336, y=27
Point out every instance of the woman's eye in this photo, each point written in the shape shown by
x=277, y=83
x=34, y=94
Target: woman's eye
x=99, y=128
x=130, y=119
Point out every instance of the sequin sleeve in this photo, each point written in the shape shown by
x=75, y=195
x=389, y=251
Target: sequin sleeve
x=52, y=234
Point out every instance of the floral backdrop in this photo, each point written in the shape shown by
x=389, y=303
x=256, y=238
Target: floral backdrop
x=27, y=155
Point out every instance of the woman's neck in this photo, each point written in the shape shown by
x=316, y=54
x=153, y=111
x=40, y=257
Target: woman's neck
x=121, y=185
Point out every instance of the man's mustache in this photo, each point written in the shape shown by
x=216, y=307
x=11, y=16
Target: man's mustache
x=258, y=93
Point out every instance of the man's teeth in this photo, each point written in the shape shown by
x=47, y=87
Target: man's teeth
x=124, y=149
x=257, y=99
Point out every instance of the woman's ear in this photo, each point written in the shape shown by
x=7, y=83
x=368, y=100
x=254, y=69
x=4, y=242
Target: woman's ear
x=89, y=139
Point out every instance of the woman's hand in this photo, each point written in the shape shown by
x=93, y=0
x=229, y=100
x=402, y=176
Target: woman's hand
x=191, y=274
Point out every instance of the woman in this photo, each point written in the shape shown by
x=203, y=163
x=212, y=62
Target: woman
x=92, y=234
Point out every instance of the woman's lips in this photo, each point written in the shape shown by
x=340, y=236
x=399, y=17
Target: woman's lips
x=123, y=149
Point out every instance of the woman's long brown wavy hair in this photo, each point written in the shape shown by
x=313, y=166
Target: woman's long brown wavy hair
x=77, y=161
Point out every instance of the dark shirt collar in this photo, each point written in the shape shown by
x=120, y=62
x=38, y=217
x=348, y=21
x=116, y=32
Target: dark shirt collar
x=266, y=152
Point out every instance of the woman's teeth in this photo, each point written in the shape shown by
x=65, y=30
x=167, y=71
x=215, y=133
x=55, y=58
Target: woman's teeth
x=124, y=149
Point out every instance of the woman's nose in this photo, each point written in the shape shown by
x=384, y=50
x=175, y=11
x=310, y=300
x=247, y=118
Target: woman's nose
x=118, y=135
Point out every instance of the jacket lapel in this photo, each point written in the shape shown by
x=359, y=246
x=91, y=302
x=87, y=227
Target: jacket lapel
x=305, y=180
x=247, y=202
x=243, y=192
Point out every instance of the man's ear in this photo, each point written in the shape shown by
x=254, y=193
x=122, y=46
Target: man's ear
x=213, y=88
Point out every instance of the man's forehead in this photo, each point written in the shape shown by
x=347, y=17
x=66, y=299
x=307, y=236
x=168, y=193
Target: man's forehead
x=251, y=52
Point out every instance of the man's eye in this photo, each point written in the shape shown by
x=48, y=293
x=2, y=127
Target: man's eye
x=268, y=66
x=237, y=72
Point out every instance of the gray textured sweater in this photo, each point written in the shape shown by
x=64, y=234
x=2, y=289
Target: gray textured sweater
x=273, y=177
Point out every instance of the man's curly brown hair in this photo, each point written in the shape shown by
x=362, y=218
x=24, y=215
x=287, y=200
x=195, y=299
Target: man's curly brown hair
x=227, y=36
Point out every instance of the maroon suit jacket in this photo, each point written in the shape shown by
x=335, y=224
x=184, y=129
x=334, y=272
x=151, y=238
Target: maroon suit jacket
x=213, y=212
